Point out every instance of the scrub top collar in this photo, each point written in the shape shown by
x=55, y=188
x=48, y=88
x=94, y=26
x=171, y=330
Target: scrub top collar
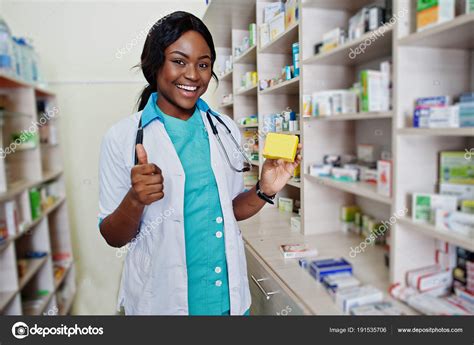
x=152, y=112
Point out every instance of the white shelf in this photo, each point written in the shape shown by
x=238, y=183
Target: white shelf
x=251, y=91
x=6, y=297
x=283, y=42
x=226, y=76
x=366, y=190
x=455, y=34
x=352, y=116
x=351, y=6
x=247, y=57
x=9, y=81
x=67, y=306
x=227, y=105
x=342, y=55
x=33, y=267
x=20, y=186
x=288, y=87
x=249, y=126
x=452, y=132
x=440, y=234
x=294, y=183
x=59, y=281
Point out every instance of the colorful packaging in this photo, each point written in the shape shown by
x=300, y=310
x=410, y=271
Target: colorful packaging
x=253, y=34
x=321, y=268
x=456, y=167
x=35, y=202
x=264, y=34
x=424, y=206
x=433, y=12
x=277, y=26
x=372, y=97
x=459, y=222
x=296, y=58
x=384, y=178
x=285, y=204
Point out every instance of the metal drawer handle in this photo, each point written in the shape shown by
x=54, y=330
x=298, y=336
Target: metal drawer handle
x=257, y=282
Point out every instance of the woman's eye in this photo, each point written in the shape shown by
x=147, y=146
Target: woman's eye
x=179, y=62
x=203, y=65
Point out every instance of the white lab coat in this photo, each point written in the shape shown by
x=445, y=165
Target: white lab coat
x=154, y=278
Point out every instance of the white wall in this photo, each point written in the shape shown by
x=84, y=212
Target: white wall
x=78, y=43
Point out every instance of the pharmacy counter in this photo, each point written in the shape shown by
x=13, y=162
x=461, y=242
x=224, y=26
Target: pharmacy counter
x=281, y=287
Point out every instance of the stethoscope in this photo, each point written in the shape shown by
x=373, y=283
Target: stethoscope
x=139, y=140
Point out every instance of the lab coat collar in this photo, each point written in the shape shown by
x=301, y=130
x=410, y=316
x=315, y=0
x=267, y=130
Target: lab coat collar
x=152, y=112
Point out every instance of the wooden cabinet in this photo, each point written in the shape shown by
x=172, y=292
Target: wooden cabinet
x=270, y=296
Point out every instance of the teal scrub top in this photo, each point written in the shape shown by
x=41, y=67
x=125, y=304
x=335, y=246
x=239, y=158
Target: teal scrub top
x=208, y=288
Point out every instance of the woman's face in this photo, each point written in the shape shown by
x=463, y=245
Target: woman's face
x=185, y=74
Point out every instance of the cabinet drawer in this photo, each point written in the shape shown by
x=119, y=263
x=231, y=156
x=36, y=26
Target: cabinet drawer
x=269, y=294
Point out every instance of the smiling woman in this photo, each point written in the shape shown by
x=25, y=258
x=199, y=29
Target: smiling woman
x=192, y=262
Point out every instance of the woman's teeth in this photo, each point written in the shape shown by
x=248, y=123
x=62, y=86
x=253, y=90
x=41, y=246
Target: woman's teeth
x=186, y=87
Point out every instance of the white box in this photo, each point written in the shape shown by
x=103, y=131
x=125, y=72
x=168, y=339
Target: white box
x=264, y=33
x=425, y=205
x=459, y=222
x=460, y=191
x=384, y=178
x=444, y=117
x=277, y=26
x=349, y=298
x=386, y=70
x=446, y=260
x=11, y=217
x=271, y=10
x=295, y=222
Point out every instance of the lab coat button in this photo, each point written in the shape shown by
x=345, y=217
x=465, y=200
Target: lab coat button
x=219, y=220
x=218, y=270
x=218, y=283
x=219, y=234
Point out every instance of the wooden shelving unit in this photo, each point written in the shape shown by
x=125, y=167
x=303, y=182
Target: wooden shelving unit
x=38, y=167
x=418, y=65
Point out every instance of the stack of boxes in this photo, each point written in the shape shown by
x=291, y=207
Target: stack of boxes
x=434, y=12
x=277, y=17
x=452, y=209
x=350, y=296
x=438, y=112
x=367, y=19
x=371, y=94
x=248, y=41
x=429, y=289
x=372, y=165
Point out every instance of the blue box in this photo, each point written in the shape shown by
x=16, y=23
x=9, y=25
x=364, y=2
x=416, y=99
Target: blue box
x=321, y=268
x=438, y=101
x=466, y=114
x=296, y=58
x=421, y=117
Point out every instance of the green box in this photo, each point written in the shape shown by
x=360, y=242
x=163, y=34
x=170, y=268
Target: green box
x=35, y=203
x=425, y=4
x=348, y=213
x=456, y=167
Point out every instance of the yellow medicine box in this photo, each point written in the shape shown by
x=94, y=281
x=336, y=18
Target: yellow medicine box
x=280, y=146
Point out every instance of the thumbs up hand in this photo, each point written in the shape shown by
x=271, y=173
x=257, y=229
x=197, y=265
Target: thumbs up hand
x=147, y=179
